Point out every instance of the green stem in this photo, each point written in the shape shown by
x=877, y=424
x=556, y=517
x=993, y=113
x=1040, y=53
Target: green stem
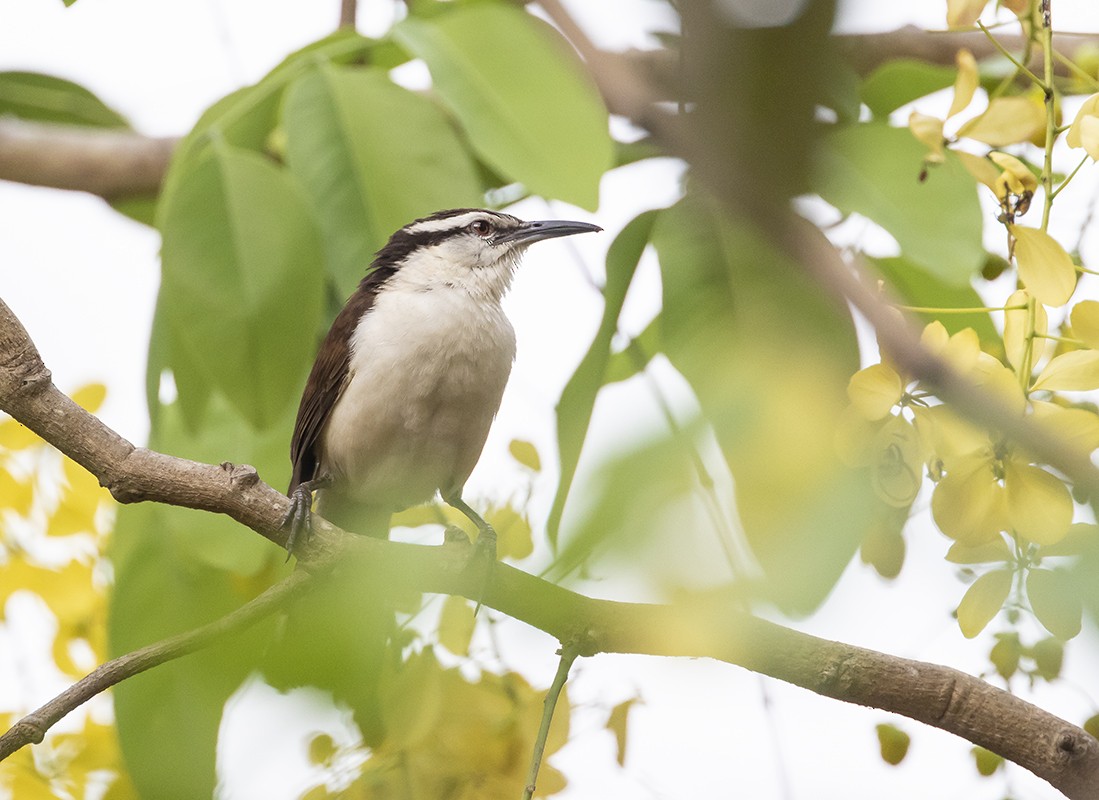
x=1071, y=175
x=569, y=652
x=974, y=310
x=1051, y=120
x=1028, y=349
x=1007, y=54
x=1064, y=339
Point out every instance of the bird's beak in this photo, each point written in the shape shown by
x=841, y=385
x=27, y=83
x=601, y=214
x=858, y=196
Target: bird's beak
x=536, y=231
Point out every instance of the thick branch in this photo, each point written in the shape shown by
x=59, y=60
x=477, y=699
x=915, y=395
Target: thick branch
x=110, y=163
x=1061, y=753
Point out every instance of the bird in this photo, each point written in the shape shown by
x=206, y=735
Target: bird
x=407, y=382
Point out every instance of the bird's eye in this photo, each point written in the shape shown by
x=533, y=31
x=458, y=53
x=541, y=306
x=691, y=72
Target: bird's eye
x=481, y=227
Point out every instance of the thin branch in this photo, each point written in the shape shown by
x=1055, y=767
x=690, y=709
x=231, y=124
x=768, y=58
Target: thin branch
x=347, y=13
x=109, y=163
x=568, y=655
x=32, y=728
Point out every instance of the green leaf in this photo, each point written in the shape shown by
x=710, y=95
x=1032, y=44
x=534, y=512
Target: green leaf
x=1055, y=602
x=918, y=287
x=577, y=401
x=526, y=454
x=521, y=94
x=983, y=600
x=987, y=762
x=243, y=278
x=636, y=355
x=901, y=81
x=372, y=157
x=769, y=359
x=33, y=96
x=874, y=170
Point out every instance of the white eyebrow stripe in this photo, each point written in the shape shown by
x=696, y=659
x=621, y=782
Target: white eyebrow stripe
x=447, y=223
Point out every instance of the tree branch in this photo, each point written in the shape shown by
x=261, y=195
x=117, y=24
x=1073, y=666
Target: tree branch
x=1056, y=750
x=110, y=163
x=32, y=728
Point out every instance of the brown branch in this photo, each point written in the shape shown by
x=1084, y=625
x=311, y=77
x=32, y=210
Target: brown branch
x=1061, y=753
x=110, y=163
x=32, y=728
x=347, y=13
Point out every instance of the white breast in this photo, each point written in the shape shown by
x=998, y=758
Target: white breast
x=427, y=372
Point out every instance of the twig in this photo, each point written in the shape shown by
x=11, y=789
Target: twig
x=347, y=13
x=32, y=728
x=569, y=652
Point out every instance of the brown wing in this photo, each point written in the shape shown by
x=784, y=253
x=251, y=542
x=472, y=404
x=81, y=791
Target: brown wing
x=326, y=382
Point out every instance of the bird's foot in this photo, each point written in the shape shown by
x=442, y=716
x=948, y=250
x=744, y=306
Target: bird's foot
x=484, y=558
x=298, y=518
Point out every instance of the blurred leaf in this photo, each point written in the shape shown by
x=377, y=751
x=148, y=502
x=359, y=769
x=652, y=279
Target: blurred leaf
x=1085, y=322
x=983, y=601
x=1049, y=657
x=769, y=358
x=883, y=546
x=918, y=287
x=965, y=85
x=456, y=625
x=16, y=436
x=893, y=743
x=635, y=356
x=16, y=495
x=519, y=91
x=1005, y=654
x=372, y=157
x=90, y=397
x=1091, y=725
x=242, y=278
x=1044, y=266
x=1055, y=602
x=987, y=762
x=618, y=724
x=873, y=170
x=578, y=397
x=526, y=454
x=900, y=81
x=322, y=748
x=33, y=96
x=515, y=537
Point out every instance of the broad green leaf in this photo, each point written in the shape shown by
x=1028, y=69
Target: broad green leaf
x=1085, y=322
x=372, y=157
x=774, y=394
x=983, y=601
x=33, y=96
x=918, y=287
x=1044, y=266
x=1055, y=602
x=636, y=355
x=874, y=170
x=242, y=279
x=1074, y=371
x=521, y=95
x=1007, y=120
x=574, y=409
x=900, y=81
x=1039, y=506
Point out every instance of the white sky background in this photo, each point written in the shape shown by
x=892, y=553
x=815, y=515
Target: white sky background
x=83, y=280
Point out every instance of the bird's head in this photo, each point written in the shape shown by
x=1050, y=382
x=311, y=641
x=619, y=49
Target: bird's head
x=471, y=248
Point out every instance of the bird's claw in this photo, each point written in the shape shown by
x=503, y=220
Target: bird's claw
x=298, y=518
x=484, y=552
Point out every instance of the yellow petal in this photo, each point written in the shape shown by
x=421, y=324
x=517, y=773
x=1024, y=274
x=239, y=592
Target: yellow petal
x=1007, y=120
x=951, y=437
x=962, y=13
x=995, y=378
x=1017, y=328
x=1018, y=176
x=1044, y=266
x=1090, y=108
x=1074, y=371
x=966, y=83
x=1039, y=506
x=987, y=553
x=897, y=472
x=928, y=131
x=875, y=390
x=456, y=625
x=980, y=168
x=968, y=506
x=1089, y=136
x=1077, y=427
x=983, y=601
x=1085, y=322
